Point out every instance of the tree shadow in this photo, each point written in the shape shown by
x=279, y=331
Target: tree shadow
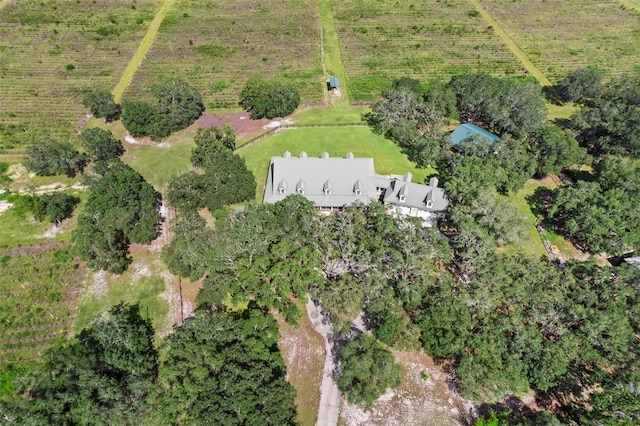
x=540, y=201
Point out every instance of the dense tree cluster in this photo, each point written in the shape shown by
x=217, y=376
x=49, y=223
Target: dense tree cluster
x=176, y=105
x=221, y=177
x=53, y=207
x=367, y=369
x=101, y=104
x=49, y=157
x=122, y=209
x=100, y=144
x=263, y=99
x=610, y=122
x=218, y=368
x=602, y=214
x=580, y=86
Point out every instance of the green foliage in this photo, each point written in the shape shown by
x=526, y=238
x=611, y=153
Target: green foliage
x=555, y=150
x=211, y=141
x=268, y=100
x=367, y=369
x=601, y=215
x=49, y=157
x=500, y=105
x=223, y=177
x=177, y=105
x=493, y=419
x=580, y=85
x=53, y=207
x=408, y=84
x=441, y=97
x=122, y=208
x=103, y=377
x=610, y=123
x=3, y=176
x=222, y=368
x=100, y=144
x=101, y=104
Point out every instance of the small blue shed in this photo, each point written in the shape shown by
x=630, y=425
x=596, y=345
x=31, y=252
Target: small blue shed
x=334, y=82
x=465, y=130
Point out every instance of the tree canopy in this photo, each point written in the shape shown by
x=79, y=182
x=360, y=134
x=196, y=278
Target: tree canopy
x=101, y=377
x=101, y=104
x=579, y=85
x=263, y=99
x=176, y=106
x=49, y=157
x=367, y=369
x=121, y=209
x=100, y=144
x=226, y=369
x=500, y=105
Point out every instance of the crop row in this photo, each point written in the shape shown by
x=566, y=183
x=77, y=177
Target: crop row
x=52, y=51
x=561, y=35
x=387, y=40
x=39, y=298
x=216, y=46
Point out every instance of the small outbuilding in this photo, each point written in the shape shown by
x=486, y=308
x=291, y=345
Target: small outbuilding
x=333, y=84
x=466, y=130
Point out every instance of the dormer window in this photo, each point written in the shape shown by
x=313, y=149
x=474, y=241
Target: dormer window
x=357, y=188
x=403, y=198
x=429, y=204
x=327, y=187
x=358, y=192
x=282, y=187
x=300, y=187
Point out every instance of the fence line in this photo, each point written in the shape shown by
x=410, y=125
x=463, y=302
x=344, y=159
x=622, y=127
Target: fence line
x=296, y=126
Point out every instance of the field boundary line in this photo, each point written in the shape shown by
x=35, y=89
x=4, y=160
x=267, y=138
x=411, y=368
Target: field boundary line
x=330, y=52
x=294, y=126
x=511, y=45
x=141, y=52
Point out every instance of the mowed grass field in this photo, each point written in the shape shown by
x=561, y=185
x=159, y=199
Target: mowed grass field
x=50, y=51
x=216, y=46
x=384, y=40
x=337, y=141
x=561, y=35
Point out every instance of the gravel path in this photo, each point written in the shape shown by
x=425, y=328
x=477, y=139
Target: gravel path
x=329, y=408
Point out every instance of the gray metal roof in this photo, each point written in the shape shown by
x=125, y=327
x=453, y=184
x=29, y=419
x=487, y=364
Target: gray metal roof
x=322, y=176
x=337, y=182
x=403, y=192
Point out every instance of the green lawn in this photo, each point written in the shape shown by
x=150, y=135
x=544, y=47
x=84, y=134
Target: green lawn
x=532, y=243
x=142, y=283
x=16, y=230
x=332, y=115
x=337, y=141
x=158, y=164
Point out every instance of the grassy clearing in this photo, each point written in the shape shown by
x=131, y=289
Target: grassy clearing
x=331, y=58
x=303, y=352
x=160, y=163
x=561, y=35
x=337, y=141
x=333, y=115
x=17, y=230
x=142, y=283
x=50, y=52
x=532, y=244
x=216, y=46
x=561, y=111
x=39, y=291
x=384, y=40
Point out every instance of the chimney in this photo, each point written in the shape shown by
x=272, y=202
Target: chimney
x=407, y=177
x=433, y=182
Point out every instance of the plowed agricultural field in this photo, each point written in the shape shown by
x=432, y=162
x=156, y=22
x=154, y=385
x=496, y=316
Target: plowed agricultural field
x=559, y=36
x=384, y=40
x=39, y=290
x=52, y=50
x=216, y=45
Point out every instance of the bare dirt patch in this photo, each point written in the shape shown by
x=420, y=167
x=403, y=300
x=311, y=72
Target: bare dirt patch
x=417, y=401
x=303, y=352
x=240, y=122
